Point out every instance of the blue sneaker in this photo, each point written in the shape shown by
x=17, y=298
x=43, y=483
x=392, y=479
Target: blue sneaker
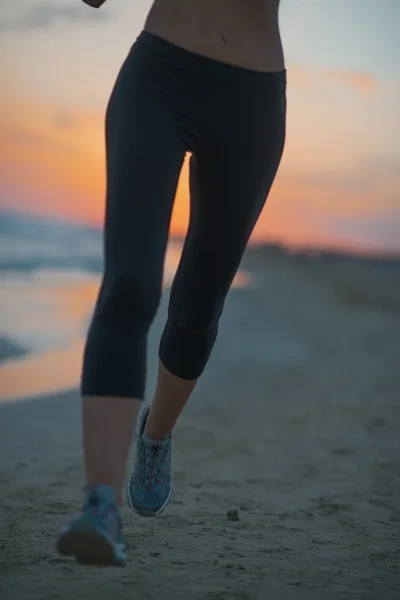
x=94, y=536
x=150, y=484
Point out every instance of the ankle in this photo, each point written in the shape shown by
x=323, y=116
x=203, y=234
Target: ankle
x=156, y=435
x=154, y=432
x=102, y=490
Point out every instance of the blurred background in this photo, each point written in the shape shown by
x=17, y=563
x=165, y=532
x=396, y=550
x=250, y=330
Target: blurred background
x=337, y=191
x=295, y=423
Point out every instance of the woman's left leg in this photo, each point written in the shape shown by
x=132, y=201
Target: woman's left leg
x=211, y=257
x=229, y=184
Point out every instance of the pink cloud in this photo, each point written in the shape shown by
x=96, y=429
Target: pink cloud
x=303, y=77
x=358, y=80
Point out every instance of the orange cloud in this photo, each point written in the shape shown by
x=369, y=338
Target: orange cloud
x=303, y=77
x=50, y=159
x=362, y=82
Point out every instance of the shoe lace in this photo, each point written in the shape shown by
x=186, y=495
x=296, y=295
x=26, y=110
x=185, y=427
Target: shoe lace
x=151, y=468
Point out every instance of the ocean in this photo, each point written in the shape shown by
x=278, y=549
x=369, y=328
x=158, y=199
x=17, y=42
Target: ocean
x=50, y=273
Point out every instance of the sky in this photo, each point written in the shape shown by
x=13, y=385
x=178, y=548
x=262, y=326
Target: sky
x=338, y=186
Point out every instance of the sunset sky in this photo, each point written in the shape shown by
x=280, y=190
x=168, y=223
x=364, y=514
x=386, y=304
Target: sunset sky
x=339, y=182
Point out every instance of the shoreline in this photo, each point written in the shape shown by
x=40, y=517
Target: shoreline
x=333, y=250
x=359, y=283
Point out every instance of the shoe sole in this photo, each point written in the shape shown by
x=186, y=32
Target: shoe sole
x=147, y=513
x=90, y=547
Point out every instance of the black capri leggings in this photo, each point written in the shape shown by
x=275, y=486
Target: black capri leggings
x=168, y=101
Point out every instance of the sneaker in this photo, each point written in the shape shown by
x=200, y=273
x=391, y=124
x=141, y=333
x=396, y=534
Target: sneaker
x=94, y=536
x=150, y=484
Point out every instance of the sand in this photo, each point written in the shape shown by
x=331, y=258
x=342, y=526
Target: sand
x=295, y=425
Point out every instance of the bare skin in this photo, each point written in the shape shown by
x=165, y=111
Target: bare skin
x=244, y=33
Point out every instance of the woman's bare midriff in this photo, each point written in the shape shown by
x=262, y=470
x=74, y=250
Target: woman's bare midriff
x=244, y=33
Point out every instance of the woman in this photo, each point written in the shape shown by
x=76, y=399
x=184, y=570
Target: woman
x=208, y=78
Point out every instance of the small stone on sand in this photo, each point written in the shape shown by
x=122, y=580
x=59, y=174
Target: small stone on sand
x=232, y=515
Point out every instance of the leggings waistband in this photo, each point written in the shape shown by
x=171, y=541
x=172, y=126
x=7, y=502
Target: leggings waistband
x=210, y=66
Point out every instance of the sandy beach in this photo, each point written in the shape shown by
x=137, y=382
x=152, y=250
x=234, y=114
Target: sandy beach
x=295, y=425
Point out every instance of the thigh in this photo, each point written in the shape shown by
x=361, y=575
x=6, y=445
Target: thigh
x=228, y=186
x=144, y=155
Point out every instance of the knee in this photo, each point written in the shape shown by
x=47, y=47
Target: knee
x=128, y=297
x=197, y=320
x=185, y=348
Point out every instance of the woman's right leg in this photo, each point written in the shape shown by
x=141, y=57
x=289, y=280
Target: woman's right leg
x=144, y=159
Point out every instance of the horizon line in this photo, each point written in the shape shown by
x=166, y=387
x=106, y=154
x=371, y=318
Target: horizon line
x=255, y=244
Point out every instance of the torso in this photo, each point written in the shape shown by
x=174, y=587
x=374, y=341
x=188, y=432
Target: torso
x=244, y=33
